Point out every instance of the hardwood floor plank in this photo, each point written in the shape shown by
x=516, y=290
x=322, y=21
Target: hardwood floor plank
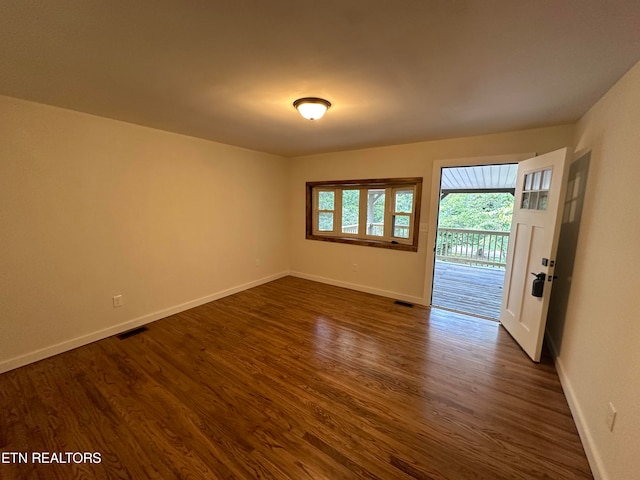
x=165, y=427
x=270, y=382
x=293, y=380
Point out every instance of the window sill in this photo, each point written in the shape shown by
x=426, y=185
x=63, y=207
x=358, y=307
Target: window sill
x=405, y=247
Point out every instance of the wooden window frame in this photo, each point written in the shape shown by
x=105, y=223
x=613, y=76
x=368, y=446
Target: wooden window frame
x=391, y=186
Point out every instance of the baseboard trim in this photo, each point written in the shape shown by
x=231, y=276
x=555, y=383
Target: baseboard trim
x=593, y=457
x=67, y=345
x=359, y=288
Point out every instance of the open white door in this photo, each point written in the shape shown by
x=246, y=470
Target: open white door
x=535, y=228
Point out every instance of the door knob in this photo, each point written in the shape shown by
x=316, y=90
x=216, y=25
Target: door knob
x=538, y=284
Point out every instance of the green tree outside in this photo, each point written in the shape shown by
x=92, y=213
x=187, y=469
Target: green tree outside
x=480, y=211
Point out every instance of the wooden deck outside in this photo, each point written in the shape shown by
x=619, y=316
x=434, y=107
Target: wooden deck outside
x=467, y=289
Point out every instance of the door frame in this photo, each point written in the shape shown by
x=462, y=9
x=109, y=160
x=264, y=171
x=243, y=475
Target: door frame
x=431, y=229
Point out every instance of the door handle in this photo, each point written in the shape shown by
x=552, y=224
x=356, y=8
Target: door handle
x=538, y=284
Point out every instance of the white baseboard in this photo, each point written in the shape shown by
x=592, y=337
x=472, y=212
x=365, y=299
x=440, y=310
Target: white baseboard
x=593, y=457
x=359, y=288
x=67, y=345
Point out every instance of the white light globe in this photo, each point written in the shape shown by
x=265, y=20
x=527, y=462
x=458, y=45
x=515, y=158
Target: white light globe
x=311, y=108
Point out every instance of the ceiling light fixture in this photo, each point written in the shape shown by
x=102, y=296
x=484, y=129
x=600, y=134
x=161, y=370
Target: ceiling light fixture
x=312, y=108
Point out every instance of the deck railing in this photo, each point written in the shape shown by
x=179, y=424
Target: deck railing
x=472, y=247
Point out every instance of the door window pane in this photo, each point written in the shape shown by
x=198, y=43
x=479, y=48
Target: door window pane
x=375, y=212
x=537, y=176
x=528, y=178
x=535, y=194
x=546, y=180
x=543, y=199
x=350, y=211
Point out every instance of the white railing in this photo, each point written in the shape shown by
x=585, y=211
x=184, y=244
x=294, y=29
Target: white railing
x=375, y=229
x=473, y=247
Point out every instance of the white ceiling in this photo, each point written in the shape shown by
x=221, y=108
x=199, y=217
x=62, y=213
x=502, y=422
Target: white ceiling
x=395, y=72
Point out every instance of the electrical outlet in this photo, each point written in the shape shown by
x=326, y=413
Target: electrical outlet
x=118, y=301
x=258, y=262
x=354, y=267
x=611, y=416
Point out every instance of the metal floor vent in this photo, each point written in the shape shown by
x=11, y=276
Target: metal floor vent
x=131, y=333
x=404, y=304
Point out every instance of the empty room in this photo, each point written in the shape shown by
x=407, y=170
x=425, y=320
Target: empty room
x=224, y=228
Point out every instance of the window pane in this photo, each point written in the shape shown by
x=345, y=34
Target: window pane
x=543, y=199
x=527, y=182
x=546, y=180
x=326, y=200
x=404, y=201
x=525, y=201
x=537, y=176
x=325, y=221
x=375, y=212
x=401, y=226
x=350, y=210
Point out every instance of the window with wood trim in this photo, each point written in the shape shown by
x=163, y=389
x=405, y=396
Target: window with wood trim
x=376, y=212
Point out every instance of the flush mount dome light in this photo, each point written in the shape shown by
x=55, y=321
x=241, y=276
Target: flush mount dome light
x=312, y=108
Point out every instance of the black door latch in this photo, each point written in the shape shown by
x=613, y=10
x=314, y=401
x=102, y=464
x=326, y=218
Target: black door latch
x=538, y=284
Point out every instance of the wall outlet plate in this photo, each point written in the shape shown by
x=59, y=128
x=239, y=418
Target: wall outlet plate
x=118, y=301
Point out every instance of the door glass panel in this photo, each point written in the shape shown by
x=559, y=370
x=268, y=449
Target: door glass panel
x=537, y=176
x=375, y=212
x=543, y=199
x=546, y=180
x=401, y=226
x=325, y=221
x=404, y=201
x=350, y=211
x=528, y=178
x=535, y=195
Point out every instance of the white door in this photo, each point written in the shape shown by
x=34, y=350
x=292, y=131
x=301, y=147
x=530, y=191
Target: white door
x=533, y=244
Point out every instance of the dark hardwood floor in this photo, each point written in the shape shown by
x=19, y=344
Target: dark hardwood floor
x=296, y=380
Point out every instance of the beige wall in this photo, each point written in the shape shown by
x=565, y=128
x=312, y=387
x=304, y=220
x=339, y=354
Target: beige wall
x=385, y=272
x=92, y=207
x=598, y=340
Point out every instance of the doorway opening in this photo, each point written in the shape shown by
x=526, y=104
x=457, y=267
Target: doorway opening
x=473, y=225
